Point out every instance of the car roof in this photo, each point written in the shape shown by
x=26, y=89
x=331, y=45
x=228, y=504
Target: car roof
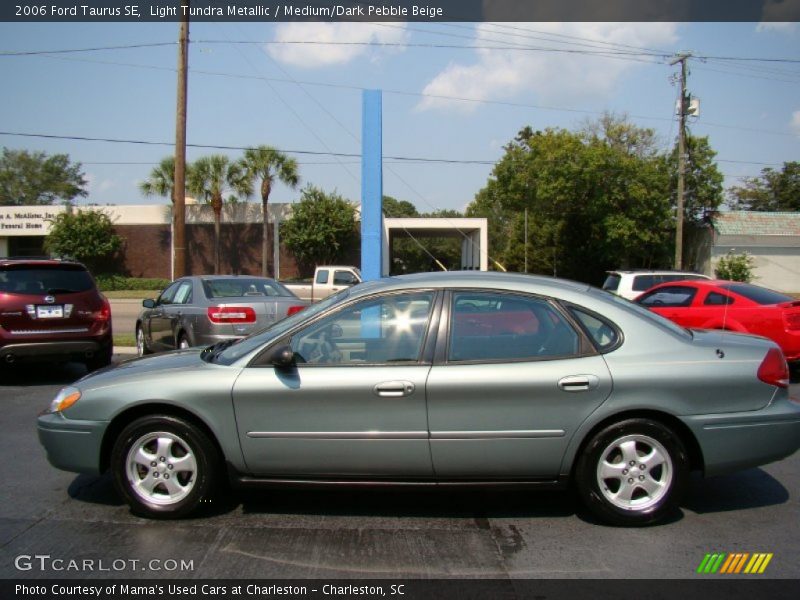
x=37, y=261
x=472, y=279
x=653, y=272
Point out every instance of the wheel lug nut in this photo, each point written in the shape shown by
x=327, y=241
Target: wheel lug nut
x=642, y=467
x=630, y=480
x=170, y=467
x=641, y=477
x=155, y=474
x=632, y=463
x=624, y=471
x=166, y=475
x=163, y=459
x=154, y=464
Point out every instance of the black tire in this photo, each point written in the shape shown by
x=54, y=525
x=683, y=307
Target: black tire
x=170, y=440
x=632, y=495
x=141, y=342
x=183, y=339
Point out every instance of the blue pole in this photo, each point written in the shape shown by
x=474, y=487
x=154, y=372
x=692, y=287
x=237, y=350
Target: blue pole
x=371, y=186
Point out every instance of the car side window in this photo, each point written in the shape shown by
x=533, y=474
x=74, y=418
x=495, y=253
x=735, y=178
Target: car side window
x=183, y=294
x=716, y=299
x=486, y=326
x=602, y=333
x=169, y=293
x=644, y=282
x=673, y=296
x=385, y=330
x=343, y=278
x=322, y=276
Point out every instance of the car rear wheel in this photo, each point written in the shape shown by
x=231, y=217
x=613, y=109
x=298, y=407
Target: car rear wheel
x=141, y=343
x=164, y=466
x=633, y=472
x=101, y=359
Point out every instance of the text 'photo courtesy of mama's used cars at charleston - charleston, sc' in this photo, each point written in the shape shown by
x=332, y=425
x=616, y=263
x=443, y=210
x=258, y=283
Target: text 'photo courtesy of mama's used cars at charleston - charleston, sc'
x=460, y=378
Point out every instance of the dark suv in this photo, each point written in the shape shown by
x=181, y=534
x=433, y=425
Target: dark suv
x=50, y=309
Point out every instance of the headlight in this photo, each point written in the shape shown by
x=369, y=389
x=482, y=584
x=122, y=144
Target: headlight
x=65, y=398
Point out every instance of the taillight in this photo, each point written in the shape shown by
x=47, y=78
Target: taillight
x=104, y=314
x=774, y=370
x=791, y=321
x=294, y=309
x=231, y=314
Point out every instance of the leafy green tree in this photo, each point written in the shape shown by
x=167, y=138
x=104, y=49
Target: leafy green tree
x=210, y=178
x=772, y=191
x=596, y=199
x=87, y=236
x=269, y=165
x=702, y=181
x=322, y=228
x=34, y=178
x=161, y=180
x=394, y=208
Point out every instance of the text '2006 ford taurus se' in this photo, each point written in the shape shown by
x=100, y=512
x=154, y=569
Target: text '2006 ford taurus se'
x=449, y=379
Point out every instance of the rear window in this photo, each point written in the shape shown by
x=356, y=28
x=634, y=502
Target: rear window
x=755, y=293
x=241, y=287
x=611, y=284
x=44, y=279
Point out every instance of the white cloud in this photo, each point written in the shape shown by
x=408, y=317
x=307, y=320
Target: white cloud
x=95, y=185
x=552, y=77
x=354, y=36
x=795, y=122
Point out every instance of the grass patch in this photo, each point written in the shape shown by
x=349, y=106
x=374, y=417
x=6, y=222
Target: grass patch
x=131, y=294
x=124, y=339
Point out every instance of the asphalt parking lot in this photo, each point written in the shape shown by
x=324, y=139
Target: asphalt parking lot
x=366, y=533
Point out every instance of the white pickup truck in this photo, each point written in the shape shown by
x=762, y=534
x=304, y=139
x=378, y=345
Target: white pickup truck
x=327, y=281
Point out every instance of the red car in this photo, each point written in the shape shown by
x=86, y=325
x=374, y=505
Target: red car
x=729, y=305
x=51, y=310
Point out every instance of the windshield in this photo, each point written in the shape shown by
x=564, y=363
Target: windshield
x=254, y=341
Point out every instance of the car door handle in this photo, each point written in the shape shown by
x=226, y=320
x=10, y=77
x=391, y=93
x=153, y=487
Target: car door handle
x=394, y=389
x=578, y=383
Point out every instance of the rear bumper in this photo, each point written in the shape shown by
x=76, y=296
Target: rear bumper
x=735, y=441
x=42, y=351
x=72, y=445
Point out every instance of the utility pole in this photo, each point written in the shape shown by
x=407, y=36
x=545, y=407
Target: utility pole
x=179, y=183
x=682, y=111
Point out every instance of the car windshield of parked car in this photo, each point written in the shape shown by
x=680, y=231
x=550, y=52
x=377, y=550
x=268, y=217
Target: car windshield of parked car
x=250, y=343
x=755, y=293
x=45, y=279
x=240, y=287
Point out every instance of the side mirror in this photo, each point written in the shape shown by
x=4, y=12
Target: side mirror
x=282, y=357
x=149, y=303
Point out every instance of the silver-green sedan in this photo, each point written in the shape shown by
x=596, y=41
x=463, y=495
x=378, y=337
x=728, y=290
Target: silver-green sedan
x=461, y=378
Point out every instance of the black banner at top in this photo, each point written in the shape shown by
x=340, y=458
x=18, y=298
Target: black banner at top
x=400, y=10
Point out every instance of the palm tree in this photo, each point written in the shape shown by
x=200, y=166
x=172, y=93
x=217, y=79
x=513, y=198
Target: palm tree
x=209, y=178
x=268, y=165
x=161, y=180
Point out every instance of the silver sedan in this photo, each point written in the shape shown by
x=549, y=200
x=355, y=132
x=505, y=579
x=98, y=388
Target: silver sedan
x=454, y=379
x=204, y=310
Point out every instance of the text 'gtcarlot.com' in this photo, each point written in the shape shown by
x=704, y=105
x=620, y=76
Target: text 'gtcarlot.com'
x=46, y=562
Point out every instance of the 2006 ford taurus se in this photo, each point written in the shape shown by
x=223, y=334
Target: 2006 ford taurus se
x=449, y=379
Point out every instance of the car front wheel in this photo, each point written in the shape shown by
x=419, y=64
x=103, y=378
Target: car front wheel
x=164, y=466
x=633, y=472
x=141, y=343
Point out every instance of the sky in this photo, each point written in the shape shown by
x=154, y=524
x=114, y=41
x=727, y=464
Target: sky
x=278, y=84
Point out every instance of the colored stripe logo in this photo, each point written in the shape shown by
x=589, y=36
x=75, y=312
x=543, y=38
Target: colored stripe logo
x=736, y=563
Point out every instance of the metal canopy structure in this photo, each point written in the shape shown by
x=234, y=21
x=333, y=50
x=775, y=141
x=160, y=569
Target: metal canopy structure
x=474, y=235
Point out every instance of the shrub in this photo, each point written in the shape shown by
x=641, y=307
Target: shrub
x=113, y=283
x=735, y=267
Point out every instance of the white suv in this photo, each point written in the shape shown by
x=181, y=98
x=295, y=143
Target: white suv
x=630, y=284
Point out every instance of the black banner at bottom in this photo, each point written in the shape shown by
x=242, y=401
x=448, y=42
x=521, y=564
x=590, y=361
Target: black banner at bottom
x=413, y=589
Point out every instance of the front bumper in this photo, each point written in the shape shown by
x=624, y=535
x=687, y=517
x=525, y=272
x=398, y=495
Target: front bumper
x=734, y=441
x=72, y=445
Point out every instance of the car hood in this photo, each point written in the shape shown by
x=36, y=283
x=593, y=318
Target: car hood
x=147, y=366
